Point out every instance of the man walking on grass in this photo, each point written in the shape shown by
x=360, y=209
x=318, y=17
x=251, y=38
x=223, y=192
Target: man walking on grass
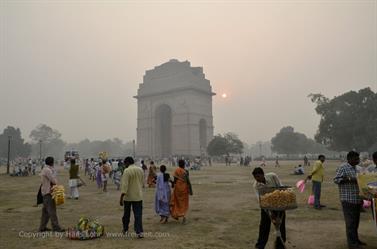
x=48, y=179
x=132, y=196
x=349, y=196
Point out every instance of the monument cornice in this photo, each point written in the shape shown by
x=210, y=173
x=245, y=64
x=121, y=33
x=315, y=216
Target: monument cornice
x=180, y=114
x=175, y=90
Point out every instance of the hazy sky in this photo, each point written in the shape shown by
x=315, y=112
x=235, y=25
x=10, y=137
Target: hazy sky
x=75, y=65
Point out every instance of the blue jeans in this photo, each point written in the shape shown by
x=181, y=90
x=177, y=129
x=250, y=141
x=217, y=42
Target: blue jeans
x=317, y=193
x=137, y=208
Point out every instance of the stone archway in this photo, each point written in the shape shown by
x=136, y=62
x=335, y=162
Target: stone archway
x=163, y=119
x=172, y=99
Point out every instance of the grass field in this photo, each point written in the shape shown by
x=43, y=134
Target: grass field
x=223, y=213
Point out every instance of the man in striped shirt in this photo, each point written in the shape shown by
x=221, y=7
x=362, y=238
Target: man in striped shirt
x=346, y=179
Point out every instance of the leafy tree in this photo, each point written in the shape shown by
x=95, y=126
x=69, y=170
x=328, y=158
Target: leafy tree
x=18, y=147
x=44, y=133
x=218, y=146
x=91, y=149
x=348, y=121
x=224, y=145
x=287, y=141
x=49, y=139
x=235, y=145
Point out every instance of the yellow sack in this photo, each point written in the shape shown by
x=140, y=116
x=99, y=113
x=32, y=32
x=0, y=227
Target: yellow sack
x=58, y=194
x=363, y=180
x=103, y=155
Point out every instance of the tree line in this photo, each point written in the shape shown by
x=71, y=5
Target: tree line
x=45, y=140
x=348, y=122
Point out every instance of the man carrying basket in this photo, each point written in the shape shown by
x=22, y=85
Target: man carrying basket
x=268, y=180
x=48, y=179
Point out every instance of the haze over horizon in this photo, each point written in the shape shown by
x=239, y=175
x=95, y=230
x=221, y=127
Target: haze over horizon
x=76, y=66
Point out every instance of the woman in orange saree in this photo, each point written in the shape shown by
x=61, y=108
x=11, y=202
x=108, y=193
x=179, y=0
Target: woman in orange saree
x=179, y=202
x=152, y=175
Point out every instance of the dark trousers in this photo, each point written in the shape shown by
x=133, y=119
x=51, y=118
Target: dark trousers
x=352, y=218
x=49, y=212
x=137, y=208
x=316, y=188
x=264, y=228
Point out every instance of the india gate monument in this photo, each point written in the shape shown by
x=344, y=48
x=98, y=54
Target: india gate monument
x=174, y=111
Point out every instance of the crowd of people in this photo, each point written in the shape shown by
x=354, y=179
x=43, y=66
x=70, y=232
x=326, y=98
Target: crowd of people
x=172, y=192
x=24, y=167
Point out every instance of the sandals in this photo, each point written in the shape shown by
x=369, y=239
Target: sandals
x=164, y=220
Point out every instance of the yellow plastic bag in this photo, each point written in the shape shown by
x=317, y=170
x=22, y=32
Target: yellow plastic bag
x=363, y=179
x=58, y=194
x=103, y=155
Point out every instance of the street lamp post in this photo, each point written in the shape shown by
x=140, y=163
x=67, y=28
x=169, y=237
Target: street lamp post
x=133, y=148
x=251, y=151
x=8, y=162
x=260, y=148
x=40, y=152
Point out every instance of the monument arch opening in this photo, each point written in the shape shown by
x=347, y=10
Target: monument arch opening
x=163, y=117
x=203, y=135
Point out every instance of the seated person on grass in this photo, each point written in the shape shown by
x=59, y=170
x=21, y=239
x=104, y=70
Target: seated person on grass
x=299, y=170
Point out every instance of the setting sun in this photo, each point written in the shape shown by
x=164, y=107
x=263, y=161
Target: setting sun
x=224, y=95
